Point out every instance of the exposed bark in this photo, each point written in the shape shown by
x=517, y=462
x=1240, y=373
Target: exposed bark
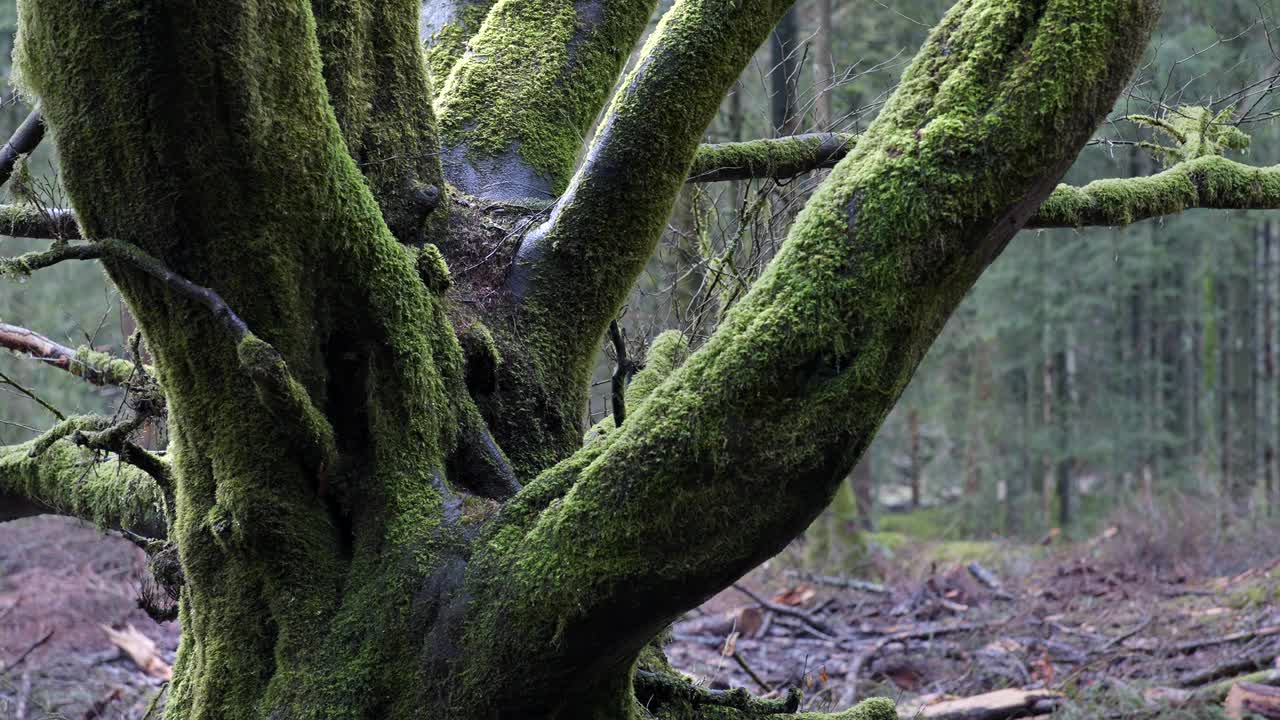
x=516, y=105
x=24, y=140
x=83, y=362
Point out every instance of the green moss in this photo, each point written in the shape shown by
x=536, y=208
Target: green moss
x=446, y=45
x=1195, y=132
x=376, y=75
x=572, y=275
x=740, y=448
x=65, y=478
x=763, y=158
x=288, y=403
x=296, y=603
x=101, y=367
x=534, y=79
x=872, y=709
x=433, y=270
x=1209, y=181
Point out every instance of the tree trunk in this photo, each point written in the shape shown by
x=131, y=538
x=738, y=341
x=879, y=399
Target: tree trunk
x=377, y=486
x=823, y=67
x=782, y=74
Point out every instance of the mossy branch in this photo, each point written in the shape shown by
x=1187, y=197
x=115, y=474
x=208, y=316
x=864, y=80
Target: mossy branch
x=661, y=688
x=281, y=394
x=572, y=273
x=777, y=158
x=736, y=452
x=289, y=403
x=514, y=108
x=29, y=221
x=136, y=259
x=376, y=74
x=66, y=479
x=84, y=362
x=446, y=26
x=1211, y=182
x=22, y=142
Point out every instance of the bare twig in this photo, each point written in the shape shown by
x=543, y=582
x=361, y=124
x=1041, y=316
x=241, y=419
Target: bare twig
x=787, y=610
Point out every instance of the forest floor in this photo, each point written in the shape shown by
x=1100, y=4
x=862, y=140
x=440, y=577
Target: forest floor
x=1122, y=625
x=1099, y=628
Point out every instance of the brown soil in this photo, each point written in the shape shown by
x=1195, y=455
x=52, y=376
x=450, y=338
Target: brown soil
x=60, y=581
x=1073, y=622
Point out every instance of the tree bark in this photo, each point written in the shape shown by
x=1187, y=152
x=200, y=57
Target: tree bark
x=383, y=505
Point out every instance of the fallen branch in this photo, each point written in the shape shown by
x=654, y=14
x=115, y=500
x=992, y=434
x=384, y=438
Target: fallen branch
x=669, y=686
x=1248, y=700
x=842, y=582
x=998, y=705
x=1193, y=645
x=30, y=649
x=988, y=580
x=797, y=613
x=1215, y=693
x=929, y=631
x=1229, y=668
x=755, y=677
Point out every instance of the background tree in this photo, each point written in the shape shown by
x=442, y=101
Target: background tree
x=376, y=487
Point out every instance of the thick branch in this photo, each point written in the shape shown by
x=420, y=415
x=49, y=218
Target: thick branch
x=572, y=273
x=1209, y=182
x=378, y=85
x=778, y=159
x=739, y=450
x=516, y=106
x=22, y=142
x=29, y=221
x=68, y=480
x=83, y=362
x=444, y=27
x=136, y=259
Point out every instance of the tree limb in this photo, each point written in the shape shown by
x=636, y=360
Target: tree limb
x=277, y=388
x=516, y=106
x=572, y=273
x=68, y=480
x=739, y=450
x=1212, y=182
x=444, y=27
x=778, y=158
x=83, y=362
x=376, y=75
x=22, y=142
x=21, y=220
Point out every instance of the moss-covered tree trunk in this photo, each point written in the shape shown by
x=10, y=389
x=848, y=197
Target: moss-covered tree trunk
x=377, y=486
